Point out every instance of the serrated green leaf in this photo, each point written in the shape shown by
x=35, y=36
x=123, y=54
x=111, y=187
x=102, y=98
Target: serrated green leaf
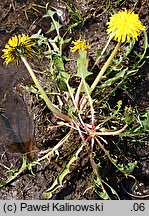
x=104, y=195
x=65, y=76
x=54, y=26
x=14, y=173
x=119, y=104
x=31, y=165
x=58, y=183
x=100, y=190
x=126, y=169
x=62, y=41
x=58, y=62
x=82, y=70
x=111, y=81
x=50, y=13
x=145, y=122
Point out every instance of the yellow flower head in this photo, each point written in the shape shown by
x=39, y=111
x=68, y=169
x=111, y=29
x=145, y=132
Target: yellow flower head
x=80, y=45
x=16, y=47
x=125, y=25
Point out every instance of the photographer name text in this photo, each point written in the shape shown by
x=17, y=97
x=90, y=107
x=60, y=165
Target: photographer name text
x=61, y=207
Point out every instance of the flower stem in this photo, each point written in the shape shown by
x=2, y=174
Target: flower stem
x=105, y=66
x=49, y=104
x=99, y=77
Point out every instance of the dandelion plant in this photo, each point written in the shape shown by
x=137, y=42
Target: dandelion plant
x=82, y=116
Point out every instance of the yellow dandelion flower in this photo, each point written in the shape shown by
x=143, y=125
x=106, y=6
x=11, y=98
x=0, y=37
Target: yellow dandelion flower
x=125, y=25
x=16, y=47
x=80, y=45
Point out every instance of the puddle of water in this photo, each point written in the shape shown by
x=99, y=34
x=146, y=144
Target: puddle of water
x=16, y=126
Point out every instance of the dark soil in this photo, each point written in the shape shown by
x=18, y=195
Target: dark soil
x=24, y=121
